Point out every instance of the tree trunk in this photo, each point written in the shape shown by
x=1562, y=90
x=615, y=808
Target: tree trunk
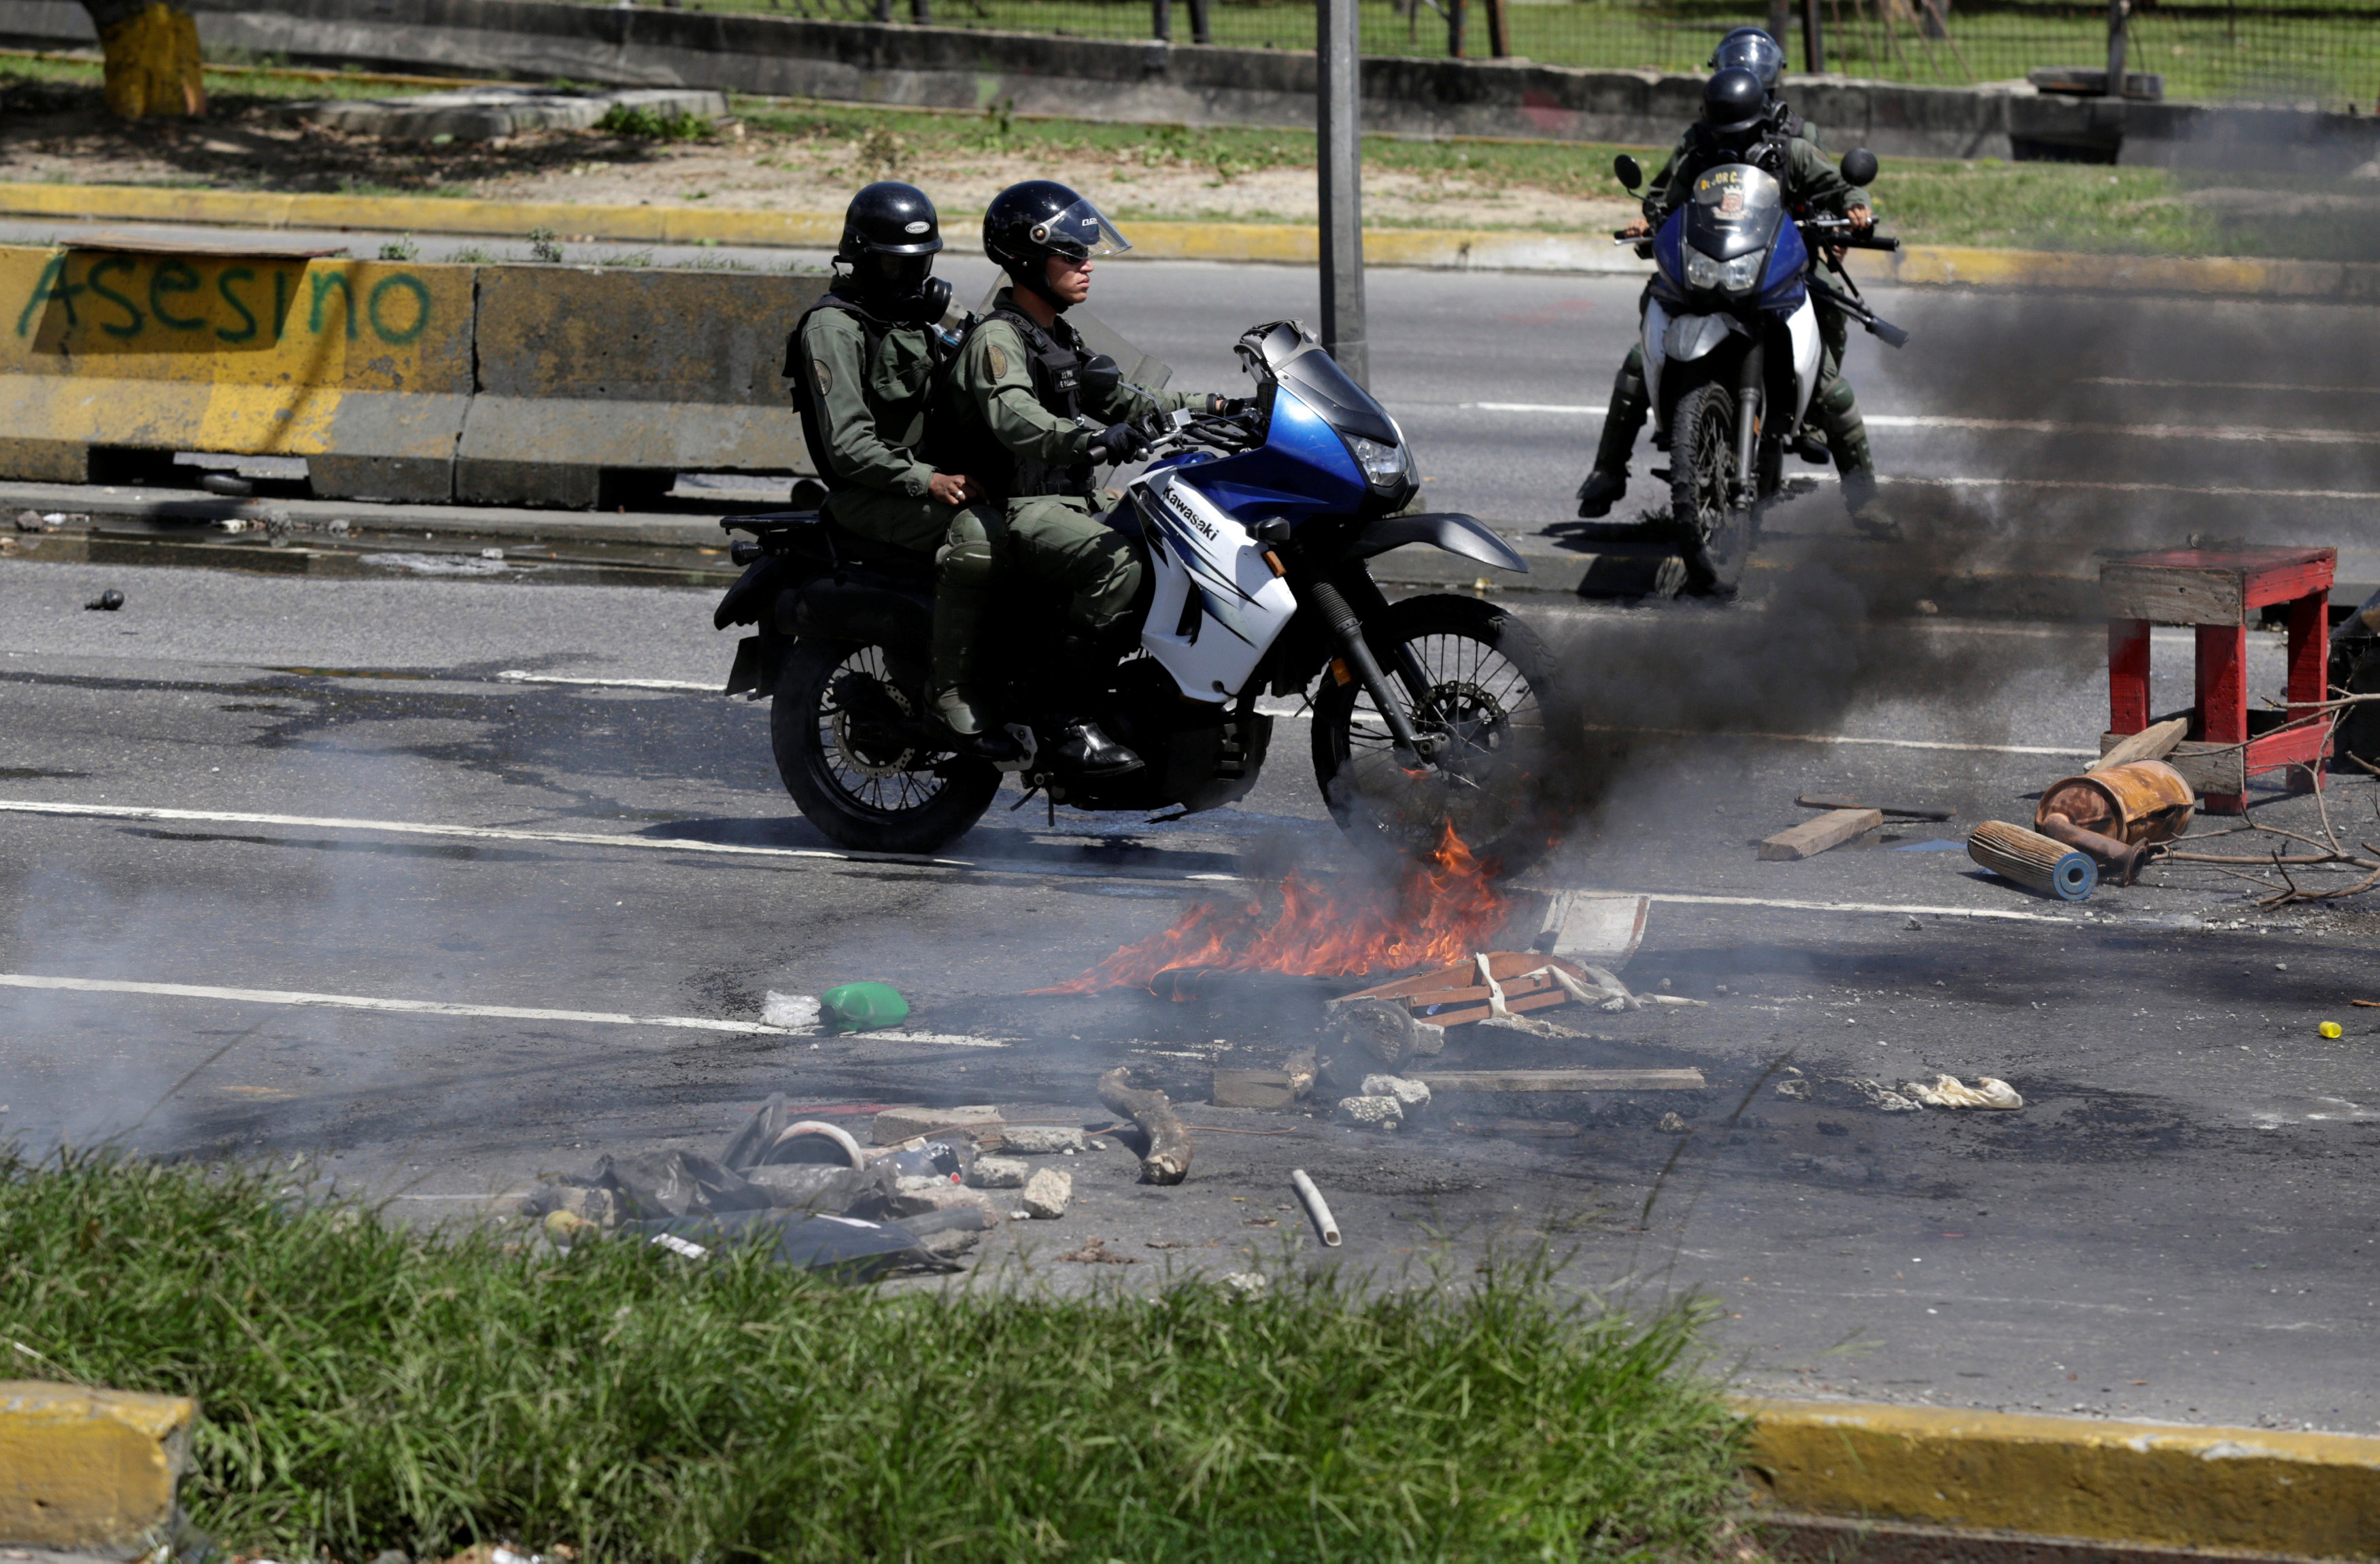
x=152, y=54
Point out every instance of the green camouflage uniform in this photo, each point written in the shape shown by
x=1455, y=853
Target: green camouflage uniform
x=1054, y=539
x=874, y=418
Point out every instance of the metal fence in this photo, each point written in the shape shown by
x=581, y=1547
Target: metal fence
x=2327, y=53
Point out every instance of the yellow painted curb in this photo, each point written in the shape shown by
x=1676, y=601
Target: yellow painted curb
x=2142, y=1483
x=87, y=1469
x=1458, y=248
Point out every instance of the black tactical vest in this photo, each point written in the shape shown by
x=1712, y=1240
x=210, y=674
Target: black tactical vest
x=1053, y=362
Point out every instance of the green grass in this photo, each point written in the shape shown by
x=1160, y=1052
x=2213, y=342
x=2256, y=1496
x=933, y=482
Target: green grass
x=363, y=1385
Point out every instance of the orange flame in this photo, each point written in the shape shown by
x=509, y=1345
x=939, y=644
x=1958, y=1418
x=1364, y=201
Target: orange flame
x=1444, y=911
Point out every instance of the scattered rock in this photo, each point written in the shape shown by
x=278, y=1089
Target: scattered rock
x=1411, y=1095
x=1798, y=1090
x=914, y=1197
x=1371, y=1112
x=1883, y=1097
x=898, y=1125
x=999, y=1173
x=1948, y=1091
x=1046, y=1193
x=794, y=1013
x=1384, y=1029
x=1247, y=1282
x=1040, y=1140
x=1094, y=1251
x=1672, y=1124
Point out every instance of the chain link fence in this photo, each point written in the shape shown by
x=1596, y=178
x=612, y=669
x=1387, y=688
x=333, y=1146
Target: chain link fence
x=2326, y=53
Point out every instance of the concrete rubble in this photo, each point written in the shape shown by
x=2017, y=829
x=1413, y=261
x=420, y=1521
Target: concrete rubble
x=487, y=114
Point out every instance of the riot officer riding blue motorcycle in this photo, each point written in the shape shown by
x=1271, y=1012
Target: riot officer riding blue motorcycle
x=1124, y=664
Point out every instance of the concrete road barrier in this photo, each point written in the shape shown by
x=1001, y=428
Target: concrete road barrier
x=363, y=368
x=543, y=385
x=630, y=373
x=89, y=1470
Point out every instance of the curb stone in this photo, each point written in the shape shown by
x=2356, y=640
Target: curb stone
x=1442, y=248
x=93, y=1471
x=2137, y=1485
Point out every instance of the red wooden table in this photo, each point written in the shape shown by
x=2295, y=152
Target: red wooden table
x=2216, y=591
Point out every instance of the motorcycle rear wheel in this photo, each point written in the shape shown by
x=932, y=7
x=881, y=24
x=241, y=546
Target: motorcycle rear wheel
x=1491, y=689
x=862, y=791
x=1701, y=461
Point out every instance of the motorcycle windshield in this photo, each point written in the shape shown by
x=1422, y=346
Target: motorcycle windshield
x=1300, y=365
x=1733, y=210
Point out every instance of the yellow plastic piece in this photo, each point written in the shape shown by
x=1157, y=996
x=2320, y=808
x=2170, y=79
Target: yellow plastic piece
x=2141, y=1483
x=89, y=1470
x=153, y=65
x=2331, y=1029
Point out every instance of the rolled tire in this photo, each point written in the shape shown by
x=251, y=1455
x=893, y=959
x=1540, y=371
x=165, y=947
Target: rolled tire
x=1491, y=689
x=1702, y=452
x=871, y=796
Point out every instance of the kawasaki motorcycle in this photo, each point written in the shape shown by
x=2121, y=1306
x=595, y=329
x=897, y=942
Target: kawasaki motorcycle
x=1731, y=349
x=1430, y=713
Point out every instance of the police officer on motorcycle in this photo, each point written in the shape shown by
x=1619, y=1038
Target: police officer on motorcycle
x=1031, y=414
x=863, y=364
x=1744, y=120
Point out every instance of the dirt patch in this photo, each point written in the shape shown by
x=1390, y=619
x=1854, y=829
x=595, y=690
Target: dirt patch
x=253, y=145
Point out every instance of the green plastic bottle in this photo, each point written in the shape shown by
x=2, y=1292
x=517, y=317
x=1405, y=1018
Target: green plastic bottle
x=862, y=1007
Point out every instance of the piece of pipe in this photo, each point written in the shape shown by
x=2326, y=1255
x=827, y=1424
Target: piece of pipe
x=2120, y=859
x=1315, y=1207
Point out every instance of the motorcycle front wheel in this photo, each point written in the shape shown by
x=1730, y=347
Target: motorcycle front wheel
x=833, y=724
x=1487, y=688
x=1710, y=530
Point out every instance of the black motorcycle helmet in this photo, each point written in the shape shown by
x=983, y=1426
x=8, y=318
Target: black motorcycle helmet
x=1027, y=224
x=1752, y=49
x=1734, y=107
x=890, y=237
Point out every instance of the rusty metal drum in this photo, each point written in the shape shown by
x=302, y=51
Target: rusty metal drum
x=2141, y=802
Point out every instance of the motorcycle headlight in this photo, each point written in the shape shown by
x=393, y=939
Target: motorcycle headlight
x=1727, y=276
x=1384, y=465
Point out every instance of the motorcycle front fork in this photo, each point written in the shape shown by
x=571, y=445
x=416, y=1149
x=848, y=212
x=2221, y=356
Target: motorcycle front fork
x=1751, y=381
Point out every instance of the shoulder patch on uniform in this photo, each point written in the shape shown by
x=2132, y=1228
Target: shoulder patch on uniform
x=824, y=375
x=996, y=360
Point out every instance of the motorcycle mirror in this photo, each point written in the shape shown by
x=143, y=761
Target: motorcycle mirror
x=1859, y=166
x=1629, y=171
x=1101, y=375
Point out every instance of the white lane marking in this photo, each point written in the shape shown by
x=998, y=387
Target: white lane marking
x=1897, y=909
x=2233, y=385
x=567, y=838
x=1845, y=738
x=522, y=676
x=2030, y=426
x=444, y=1007
x=2259, y=491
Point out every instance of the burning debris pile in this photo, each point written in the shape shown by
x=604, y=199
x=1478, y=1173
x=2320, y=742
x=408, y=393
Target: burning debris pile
x=1439, y=913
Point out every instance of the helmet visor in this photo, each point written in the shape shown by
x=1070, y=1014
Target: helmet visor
x=1755, y=51
x=1082, y=231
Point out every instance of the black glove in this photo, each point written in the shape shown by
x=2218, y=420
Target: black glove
x=1218, y=404
x=1118, y=442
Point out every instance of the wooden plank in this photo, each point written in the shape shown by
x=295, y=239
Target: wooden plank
x=1506, y=965
x=1543, y=1000
x=1905, y=812
x=2150, y=744
x=2171, y=595
x=1252, y=1088
x=1561, y=1080
x=1813, y=837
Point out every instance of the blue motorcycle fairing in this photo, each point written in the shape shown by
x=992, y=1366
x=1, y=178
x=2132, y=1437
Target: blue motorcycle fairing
x=1303, y=469
x=1782, y=288
x=1667, y=253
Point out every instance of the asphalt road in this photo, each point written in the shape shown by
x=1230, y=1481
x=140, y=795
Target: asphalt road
x=2174, y=1225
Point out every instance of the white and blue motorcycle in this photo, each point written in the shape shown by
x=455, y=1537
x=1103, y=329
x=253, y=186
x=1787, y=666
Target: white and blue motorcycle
x=1731, y=348
x=1429, y=714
